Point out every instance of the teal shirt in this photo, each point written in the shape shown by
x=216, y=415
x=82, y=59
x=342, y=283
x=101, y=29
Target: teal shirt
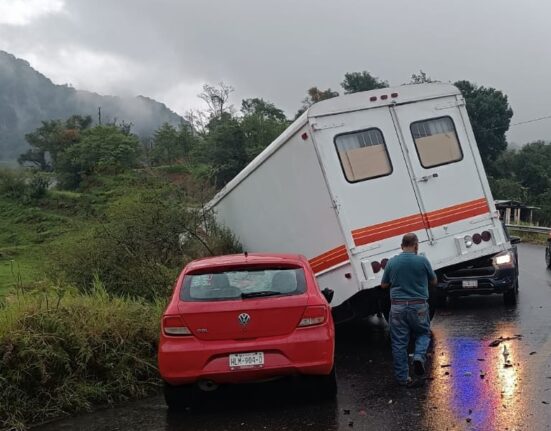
x=408, y=275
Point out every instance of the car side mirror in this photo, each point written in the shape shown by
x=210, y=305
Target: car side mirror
x=515, y=240
x=328, y=294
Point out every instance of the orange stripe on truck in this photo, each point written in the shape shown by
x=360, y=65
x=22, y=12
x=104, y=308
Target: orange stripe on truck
x=400, y=226
x=329, y=259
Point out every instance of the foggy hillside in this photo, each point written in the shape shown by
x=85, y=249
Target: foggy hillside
x=27, y=97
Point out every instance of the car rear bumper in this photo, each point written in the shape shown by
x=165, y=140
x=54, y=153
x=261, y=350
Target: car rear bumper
x=184, y=360
x=500, y=281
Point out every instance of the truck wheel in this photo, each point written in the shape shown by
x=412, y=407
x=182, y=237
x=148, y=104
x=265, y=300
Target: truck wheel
x=510, y=297
x=178, y=397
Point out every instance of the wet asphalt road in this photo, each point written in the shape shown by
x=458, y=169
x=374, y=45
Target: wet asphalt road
x=457, y=397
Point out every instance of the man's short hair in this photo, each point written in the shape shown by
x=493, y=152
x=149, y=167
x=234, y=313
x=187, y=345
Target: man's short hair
x=409, y=240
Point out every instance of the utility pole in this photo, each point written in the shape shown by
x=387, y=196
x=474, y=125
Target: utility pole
x=99, y=115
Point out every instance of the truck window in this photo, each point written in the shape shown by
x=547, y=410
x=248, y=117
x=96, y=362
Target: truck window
x=436, y=142
x=363, y=155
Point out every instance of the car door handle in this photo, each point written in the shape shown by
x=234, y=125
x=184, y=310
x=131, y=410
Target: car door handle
x=427, y=177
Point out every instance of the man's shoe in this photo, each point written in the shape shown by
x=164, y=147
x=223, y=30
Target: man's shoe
x=418, y=367
x=416, y=383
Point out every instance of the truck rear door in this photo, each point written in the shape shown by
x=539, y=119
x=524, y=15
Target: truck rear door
x=370, y=183
x=447, y=177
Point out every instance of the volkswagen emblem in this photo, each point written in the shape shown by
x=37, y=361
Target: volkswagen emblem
x=244, y=319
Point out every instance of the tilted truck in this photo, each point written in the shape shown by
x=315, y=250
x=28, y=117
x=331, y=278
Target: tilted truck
x=353, y=174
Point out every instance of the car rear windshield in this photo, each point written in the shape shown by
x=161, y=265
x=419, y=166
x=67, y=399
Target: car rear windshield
x=243, y=284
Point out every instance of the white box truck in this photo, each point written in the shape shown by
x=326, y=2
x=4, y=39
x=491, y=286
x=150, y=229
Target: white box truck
x=353, y=174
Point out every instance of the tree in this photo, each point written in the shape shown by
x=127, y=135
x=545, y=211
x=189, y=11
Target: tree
x=217, y=98
x=52, y=138
x=223, y=148
x=315, y=95
x=490, y=116
x=102, y=149
x=261, y=124
x=420, y=78
x=171, y=144
x=361, y=81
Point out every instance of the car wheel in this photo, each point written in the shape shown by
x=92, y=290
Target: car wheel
x=325, y=386
x=548, y=257
x=510, y=297
x=178, y=397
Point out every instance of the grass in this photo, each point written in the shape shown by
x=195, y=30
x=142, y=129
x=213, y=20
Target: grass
x=530, y=237
x=62, y=352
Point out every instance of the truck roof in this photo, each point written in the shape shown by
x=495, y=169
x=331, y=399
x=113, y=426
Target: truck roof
x=336, y=105
x=381, y=97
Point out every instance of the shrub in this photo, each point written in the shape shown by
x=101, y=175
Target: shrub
x=141, y=246
x=62, y=352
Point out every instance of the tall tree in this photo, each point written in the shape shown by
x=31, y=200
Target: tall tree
x=223, y=148
x=217, y=98
x=261, y=123
x=102, y=149
x=361, y=81
x=420, y=78
x=315, y=95
x=490, y=116
x=52, y=138
x=171, y=144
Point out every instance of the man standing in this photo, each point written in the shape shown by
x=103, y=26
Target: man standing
x=408, y=276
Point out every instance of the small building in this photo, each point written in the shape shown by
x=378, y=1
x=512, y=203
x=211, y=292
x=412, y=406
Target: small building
x=514, y=212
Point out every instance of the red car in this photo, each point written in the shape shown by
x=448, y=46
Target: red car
x=243, y=318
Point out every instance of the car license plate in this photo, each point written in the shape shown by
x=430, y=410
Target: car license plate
x=247, y=360
x=470, y=284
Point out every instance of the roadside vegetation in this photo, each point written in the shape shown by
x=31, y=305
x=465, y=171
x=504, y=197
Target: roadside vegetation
x=95, y=225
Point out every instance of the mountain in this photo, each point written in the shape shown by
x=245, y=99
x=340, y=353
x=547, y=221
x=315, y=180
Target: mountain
x=27, y=97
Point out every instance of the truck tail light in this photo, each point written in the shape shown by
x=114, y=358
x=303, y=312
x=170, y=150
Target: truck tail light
x=173, y=325
x=384, y=262
x=477, y=238
x=313, y=315
x=486, y=236
x=376, y=267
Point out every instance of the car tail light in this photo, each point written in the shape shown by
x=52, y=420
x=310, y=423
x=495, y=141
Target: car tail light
x=384, y=97
x=376, y=267
x=373, y=99
x=477, y=238
x=486, y=236
x=384, y=262
x=313, y=315
x=394, y=95
x=173, y=325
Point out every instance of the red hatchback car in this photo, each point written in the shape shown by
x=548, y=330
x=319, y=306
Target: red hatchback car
x=243, y=318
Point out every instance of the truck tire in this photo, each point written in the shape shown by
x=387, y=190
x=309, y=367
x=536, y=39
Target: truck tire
x=178, y=398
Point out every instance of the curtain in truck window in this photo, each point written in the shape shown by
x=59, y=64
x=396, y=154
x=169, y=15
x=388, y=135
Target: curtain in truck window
x=436, y=142
x=363, y=155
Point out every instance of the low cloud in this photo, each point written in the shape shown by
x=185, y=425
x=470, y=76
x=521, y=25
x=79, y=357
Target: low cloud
x=24, y=12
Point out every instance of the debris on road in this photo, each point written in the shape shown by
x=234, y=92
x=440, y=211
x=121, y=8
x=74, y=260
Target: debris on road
x=500, y=340
x=346, y=411
x=482, y=374
x=445, y=365
x=447, y=373
x=481, y=359
x=505, y=352
x=545, y=402
x=533, y=353
x=507, y=365
x=468, y=420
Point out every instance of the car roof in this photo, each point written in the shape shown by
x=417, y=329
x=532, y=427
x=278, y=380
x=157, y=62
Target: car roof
x=243, y=259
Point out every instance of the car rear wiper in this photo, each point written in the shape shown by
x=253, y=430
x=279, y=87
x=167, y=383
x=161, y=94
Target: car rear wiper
x=259, y=294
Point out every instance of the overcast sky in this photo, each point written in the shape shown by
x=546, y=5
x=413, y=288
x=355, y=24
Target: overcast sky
x=276, y=49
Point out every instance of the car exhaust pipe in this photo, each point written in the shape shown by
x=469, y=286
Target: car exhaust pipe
x=207, y=385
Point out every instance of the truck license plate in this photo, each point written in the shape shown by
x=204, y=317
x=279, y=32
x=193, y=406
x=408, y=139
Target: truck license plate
x=246, y=360
x=469, y=284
